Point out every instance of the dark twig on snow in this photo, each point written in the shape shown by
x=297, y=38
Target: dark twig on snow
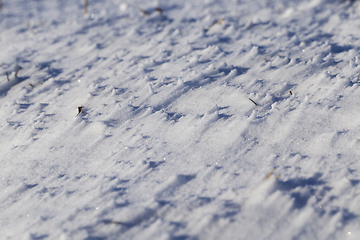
x=7, y=76
x=158, y=10
x=142, y=10
x=18, y=71
x=253, y=101
x=112, y=222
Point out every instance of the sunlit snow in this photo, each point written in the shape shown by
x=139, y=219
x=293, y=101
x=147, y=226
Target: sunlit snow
x=211, y=119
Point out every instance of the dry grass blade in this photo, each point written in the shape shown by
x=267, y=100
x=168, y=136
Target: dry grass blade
x=269, y=175
x=7, y=76
x=18, y=71
x=218, y=22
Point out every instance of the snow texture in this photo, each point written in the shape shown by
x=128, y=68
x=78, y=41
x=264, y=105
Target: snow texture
x=212, y=119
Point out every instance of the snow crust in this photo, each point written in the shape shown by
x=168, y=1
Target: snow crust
x=214, y=119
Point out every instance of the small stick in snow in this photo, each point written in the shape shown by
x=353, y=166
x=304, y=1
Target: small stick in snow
x=267, y=60
x=85, y=6
x=290, y=92
x=17, y=71
x=253, y=101
x=158, y=10
x=112, y=222
x=79, y=110
x=215, y=23
x=7, y=76
x=142, y=10
x=269, y=175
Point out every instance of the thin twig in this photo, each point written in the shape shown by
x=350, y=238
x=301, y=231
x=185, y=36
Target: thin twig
x=7, y=76
x=215, y=23
x=17, y=71
x=142, y=10
x=158, y=10
x=269, y=175
x=112, y=222
x=253, y=101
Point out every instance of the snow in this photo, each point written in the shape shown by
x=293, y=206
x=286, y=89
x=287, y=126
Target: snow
x=214, y=119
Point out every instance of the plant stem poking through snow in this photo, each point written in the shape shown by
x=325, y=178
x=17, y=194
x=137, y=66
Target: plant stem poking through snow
x=253, y=101
x=7, y=76
x=156, y=9
x=18, y=71
x=290, y=92
x=79, y=110
x=85, y=7
x=271, y=173
x=142, y=10
x=215, y=23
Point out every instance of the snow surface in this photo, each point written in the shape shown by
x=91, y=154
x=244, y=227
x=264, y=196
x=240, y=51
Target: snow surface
x=213, y=119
